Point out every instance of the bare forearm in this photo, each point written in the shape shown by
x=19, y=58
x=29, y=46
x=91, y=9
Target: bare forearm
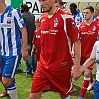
x=24, y=43
x=87, y=63
x=77, y=49
x=24, y=38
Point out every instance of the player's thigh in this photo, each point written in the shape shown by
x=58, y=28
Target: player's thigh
x=61, y=82
x=10, y=66
x=40, y=81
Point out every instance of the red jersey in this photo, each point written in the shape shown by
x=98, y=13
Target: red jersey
x=58, y=32
x=89, y=35
x=97, y=18
x=36, y=42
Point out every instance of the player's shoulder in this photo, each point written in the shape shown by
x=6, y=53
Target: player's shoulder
x=64, y=14
x=44, y=15
x=62, y=11
x=97, y=43
x=95, y=23
x=82, y=23
x=10, y=9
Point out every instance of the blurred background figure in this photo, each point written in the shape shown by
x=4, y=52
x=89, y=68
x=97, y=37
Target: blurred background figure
x=89, y=35
x=36, y=41
x=59, y=4
x=96, y=14
x=77, y=15
x=29, y=20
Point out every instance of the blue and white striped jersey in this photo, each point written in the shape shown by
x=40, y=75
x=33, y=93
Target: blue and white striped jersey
x=10, y=23
x=79, y=17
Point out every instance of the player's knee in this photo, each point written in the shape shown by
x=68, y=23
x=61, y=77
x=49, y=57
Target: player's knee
x=87, y=73
x=31, y=96
x=34, y=96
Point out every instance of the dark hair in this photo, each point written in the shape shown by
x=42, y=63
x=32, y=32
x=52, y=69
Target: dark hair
x=60, y=2
x=73, y=5
x=90, y=8
x=97, y=10
x=24, y=7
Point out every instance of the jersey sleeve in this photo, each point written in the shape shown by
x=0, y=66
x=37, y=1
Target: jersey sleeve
x=18, y=19
x=72, y=29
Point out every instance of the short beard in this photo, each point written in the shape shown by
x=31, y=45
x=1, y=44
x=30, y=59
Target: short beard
x=48, y=10
x=88, y=19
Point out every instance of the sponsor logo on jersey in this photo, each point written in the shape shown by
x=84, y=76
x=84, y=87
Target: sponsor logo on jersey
x=37, y=36
x=53, y=32
x=3, y=25
x=89, y=32
x=7, y=74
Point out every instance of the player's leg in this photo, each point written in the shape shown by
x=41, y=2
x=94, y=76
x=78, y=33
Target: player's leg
x=5, y=91
x=85, y=83
x=61, y=82
x=87, y=74
x=35, y=95
x=11, y=64
x=39, y=83
x=91, y=83
x=11, y=87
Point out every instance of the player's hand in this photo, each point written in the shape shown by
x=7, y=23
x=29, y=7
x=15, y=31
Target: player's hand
x=76, y=73
x=24, y=54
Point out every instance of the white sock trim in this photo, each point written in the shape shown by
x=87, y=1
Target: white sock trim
x=86, y=78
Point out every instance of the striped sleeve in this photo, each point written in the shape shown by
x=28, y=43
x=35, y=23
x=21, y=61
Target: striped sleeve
x=18, y=19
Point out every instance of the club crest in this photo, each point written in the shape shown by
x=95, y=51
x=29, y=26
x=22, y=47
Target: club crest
x=56, y=22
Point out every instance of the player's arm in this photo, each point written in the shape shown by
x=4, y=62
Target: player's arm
x=77, y=51
x=92, y=57
x=24, y=43
x=76, y=73
x=21, y=26
x=74, y=35
x=87, y=63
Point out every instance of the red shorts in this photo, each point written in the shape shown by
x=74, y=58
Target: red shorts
x=57, y=81
x=83, y=59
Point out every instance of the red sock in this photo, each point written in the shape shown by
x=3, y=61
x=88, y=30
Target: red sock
x=84, y=87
